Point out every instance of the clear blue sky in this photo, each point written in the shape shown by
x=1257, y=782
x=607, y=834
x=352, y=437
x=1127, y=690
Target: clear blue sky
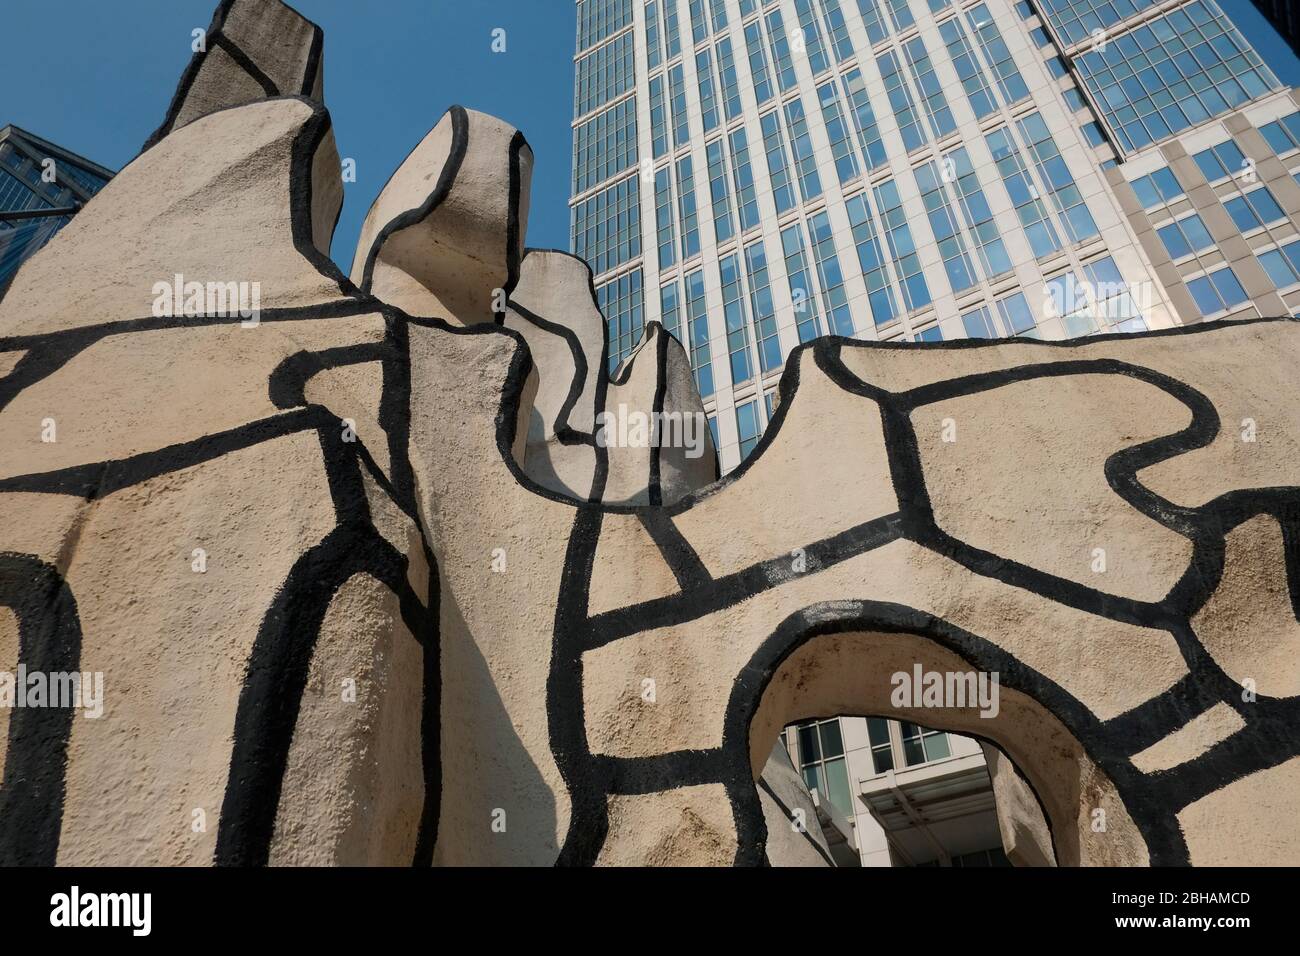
x=96, y=77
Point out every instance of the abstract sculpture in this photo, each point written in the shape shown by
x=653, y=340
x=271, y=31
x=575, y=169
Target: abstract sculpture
x=366, y=586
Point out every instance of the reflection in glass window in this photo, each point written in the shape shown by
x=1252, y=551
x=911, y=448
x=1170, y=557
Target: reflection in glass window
x=1220, y=161
x=1217, y=291
x=1185, y=236
x=1282, y=265
x=1172, y=72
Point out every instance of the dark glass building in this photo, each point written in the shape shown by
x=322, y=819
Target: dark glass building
x=42, y=186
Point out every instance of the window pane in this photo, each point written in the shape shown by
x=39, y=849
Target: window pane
x=1196, y=233
x=1203, y=293
x=936, y=747
x=837, y=786
x=1277, y=268
x=832, y=742
x=877, y=730
x=808, y=749
x=1230, y=290
x=883, y=759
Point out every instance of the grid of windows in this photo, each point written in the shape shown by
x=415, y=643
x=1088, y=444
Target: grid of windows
x=620, y=301
x=900, y=13
x=1254, y=209
x=607, y=226
x=1157, y=188
x=1101, y=301
x=822, y=763
x=968, y=68
x=598, y=19
x=1217, y=291
x=1282, y=265
x=15, y=196
x=762, y=80
x=943, y=223
x=871, y=257
x=1009, y=316
x=898, y=237
x=699, y=21
x=708, y=98
x=604, y=146
x=670, y=314
x=995, y=51
x=672, y=30
x=677, y=100
x=818, y=61
x=728, y=79
x=665, y=221
x=864, y=119
x=842, y=152
x=1219, y=161
x=1185, y=236
x=805, y=163
x=976, y=213
x=882, y=751
x=900, y=100
x=871, y=19
x=1030, y=209
x=800, y=281
x=920, y=744
x=837, y=30
x=735, y=320
x=1057, y=178
x=927, y=82
x=782, y=62
x=658, y=117
x=25, y=239
x=743, y=174
x=1173, y=72
x=697, y=318
x=21, y=189
x=719, y=193
x=688, y=215
x=834, y=297
x=603, y=74
x=1283, y=134
x=719, y=11
x=747, y=428
x=654, y=47
x=762, y=306
x=778, y=168
x=1075, y=20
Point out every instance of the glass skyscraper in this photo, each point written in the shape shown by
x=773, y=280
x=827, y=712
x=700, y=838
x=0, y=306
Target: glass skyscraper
x=757, y=173
x=41, y=188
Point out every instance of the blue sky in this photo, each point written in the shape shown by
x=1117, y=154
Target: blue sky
x=97, y=79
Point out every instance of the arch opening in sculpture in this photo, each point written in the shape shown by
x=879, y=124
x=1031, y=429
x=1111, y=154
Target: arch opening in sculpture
x=1052, y=794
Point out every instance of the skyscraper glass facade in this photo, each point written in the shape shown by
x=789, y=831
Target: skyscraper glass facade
x=922, y=170
x=41, y=187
